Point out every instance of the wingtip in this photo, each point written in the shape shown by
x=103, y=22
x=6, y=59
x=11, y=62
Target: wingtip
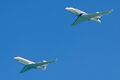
x=73, y=25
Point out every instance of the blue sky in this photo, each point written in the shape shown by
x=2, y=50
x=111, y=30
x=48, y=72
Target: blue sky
x=41, y=29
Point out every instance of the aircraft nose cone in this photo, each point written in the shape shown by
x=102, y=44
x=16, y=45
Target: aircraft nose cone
x=16, y=57
x=67, y=8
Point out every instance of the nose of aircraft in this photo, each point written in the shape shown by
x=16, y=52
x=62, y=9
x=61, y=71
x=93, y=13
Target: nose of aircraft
x=16, y=57
x=67, y=8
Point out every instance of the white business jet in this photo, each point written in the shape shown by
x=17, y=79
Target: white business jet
x=83, y=16
x=32, y=65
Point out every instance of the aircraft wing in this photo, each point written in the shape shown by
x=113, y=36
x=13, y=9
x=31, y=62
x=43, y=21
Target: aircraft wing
x=99, y=14
x=79, y=20
x=26, y=68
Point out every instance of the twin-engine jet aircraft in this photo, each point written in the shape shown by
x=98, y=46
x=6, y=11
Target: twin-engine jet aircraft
x=32, y=65
x=83, y=16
